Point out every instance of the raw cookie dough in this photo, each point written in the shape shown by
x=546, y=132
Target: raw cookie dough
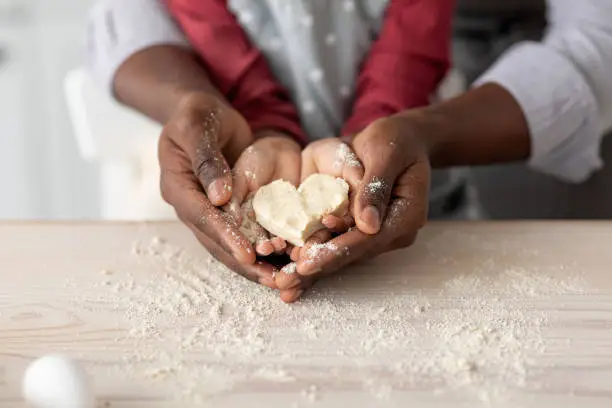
x=295, y=214
x=249, y=227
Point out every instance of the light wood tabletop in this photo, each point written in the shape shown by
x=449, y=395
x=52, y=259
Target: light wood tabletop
x=475, y=314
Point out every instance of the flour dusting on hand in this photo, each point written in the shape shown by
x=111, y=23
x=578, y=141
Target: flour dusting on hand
x=346, y=157
x=376, y=186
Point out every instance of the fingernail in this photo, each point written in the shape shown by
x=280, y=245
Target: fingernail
x=371, y=216
x=268, y=282
x=329, y=222
x=293, y=282
x=303, y=269
x=298, y=294
x=217, y=189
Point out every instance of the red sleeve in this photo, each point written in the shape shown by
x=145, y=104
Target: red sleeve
x=406, y=63
x=237, y=68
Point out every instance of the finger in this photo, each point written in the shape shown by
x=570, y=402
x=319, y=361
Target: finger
x=287, y=278
x=264, y=248
x=250, y=170
x=383, y=165
x=314, y=247
x=295, y=254
x=199, y=140
x=331, y=221
x=321, y=157
x=412, y=189
x=309, y=165
x=260, y=272
x=349, y=166
x=240, y=187
x=405, y=216
x=287, y=169
x=404, y=221
x=371, y=202
x=315, y=240
x=233, y=209
x=336, y=253
x=338, y=224
x=182, y=191
x=332, y=157
x=399, y=229
x=291, y=295
x=279, y=245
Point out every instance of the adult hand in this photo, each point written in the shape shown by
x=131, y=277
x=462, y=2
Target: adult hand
x=389, y=204
x=196, y=178
x=272, y=156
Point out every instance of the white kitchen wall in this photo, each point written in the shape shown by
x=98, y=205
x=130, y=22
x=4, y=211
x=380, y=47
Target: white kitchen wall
x=41, y=173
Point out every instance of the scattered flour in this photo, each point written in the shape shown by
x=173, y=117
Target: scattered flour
x=204, y=330
x=310, y=394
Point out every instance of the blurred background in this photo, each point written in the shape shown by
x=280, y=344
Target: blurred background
x=42, y=173
x=107, y=168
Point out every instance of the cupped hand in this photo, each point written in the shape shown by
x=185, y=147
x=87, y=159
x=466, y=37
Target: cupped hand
x=389, y=204
x=273, y=156
x=196, y=148
x=334, y=157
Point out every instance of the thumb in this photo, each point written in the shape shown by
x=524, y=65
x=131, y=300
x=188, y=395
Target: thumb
x=214, y=175
x=383, y=166
x=200, y=142
x=371, y=201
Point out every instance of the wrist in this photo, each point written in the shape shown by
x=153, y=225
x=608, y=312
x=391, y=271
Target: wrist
x=485, y=125
x=426, y=128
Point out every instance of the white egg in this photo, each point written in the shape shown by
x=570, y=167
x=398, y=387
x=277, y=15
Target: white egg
x=56, y=381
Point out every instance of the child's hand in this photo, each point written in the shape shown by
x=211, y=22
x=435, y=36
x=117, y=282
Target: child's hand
x=271, y=157
x=334, y=157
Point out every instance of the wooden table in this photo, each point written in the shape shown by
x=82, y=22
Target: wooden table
x=501, y=314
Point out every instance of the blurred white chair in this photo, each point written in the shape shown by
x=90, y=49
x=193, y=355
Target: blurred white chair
x=124, y=144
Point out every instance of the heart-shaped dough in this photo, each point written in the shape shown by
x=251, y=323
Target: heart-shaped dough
x=295, y=214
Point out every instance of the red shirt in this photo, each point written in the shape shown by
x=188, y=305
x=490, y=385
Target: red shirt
x=403, y=68
x=406, y=63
